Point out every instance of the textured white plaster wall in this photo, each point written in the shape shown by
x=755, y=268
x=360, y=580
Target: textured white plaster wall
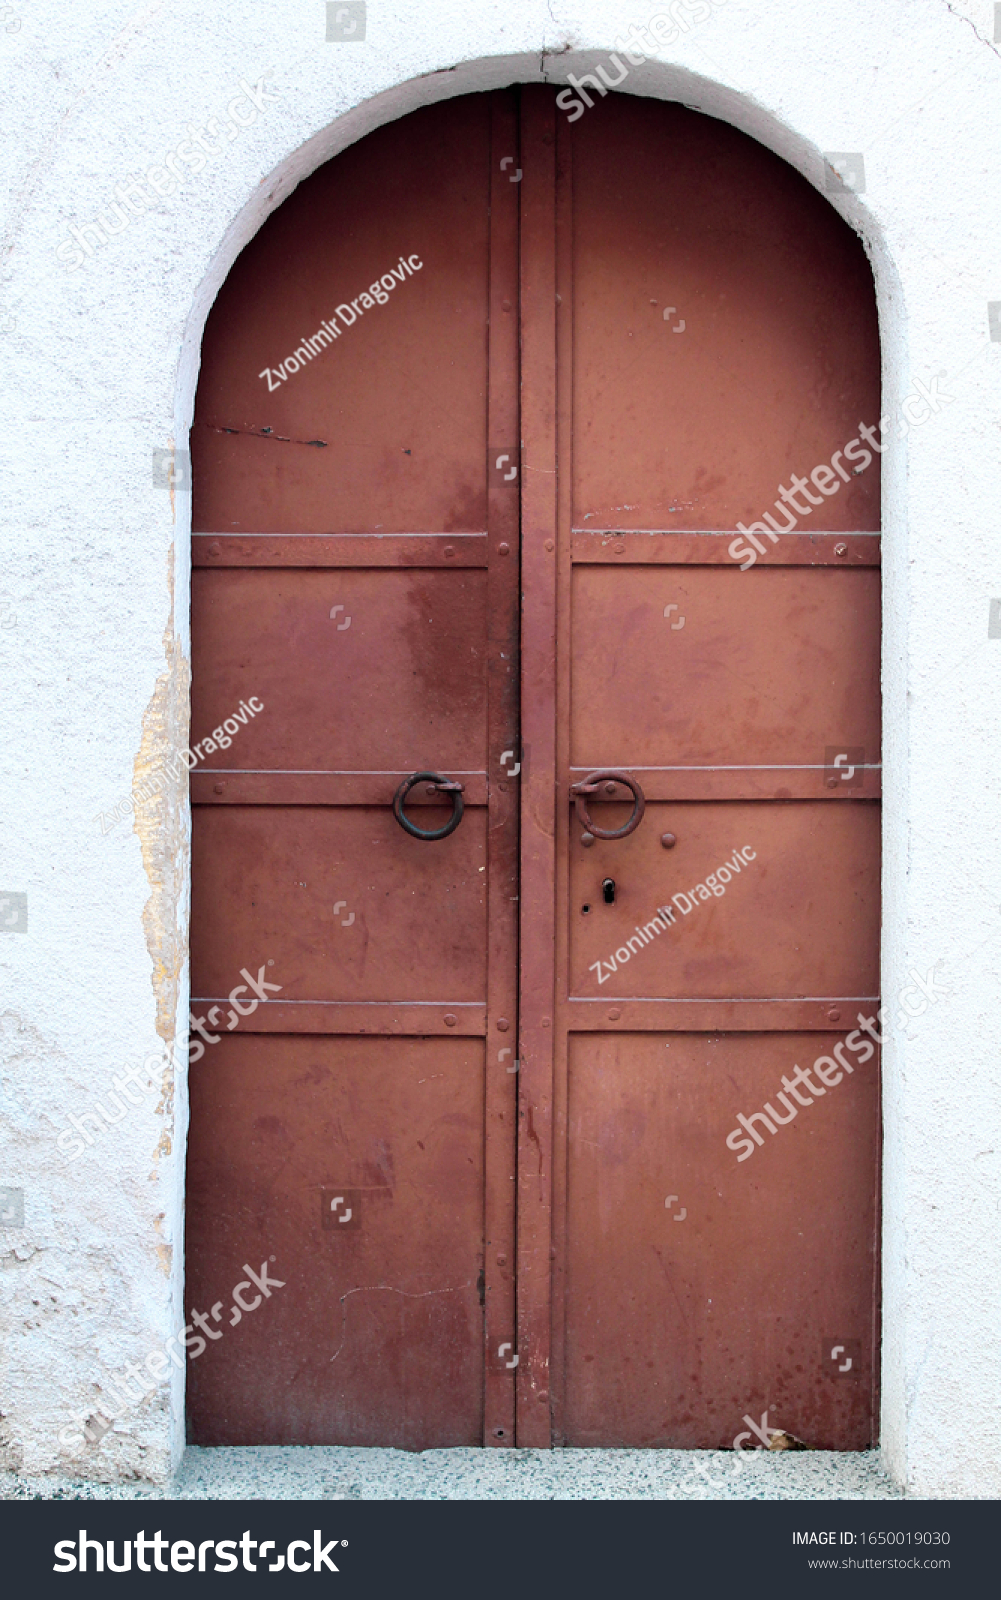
x=100, y=368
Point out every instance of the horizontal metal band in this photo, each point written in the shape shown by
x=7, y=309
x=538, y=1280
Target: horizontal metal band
x=610, y=1015
x=210, y=786
x=339, y=550
x=413, y=1018
x=746, y=783
x=597, y=547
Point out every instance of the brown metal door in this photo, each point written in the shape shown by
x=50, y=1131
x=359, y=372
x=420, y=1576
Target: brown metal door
x=696, y=325
x=356, y=574
x=715, y=333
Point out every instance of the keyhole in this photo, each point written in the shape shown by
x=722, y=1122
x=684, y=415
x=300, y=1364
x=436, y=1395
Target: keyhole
x=608, y=891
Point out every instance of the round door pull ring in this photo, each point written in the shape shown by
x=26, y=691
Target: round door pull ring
x=444, y=786
x=579, y=793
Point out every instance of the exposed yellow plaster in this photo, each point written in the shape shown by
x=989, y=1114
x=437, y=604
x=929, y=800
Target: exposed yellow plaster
x=160, y=824
x=164, y=1251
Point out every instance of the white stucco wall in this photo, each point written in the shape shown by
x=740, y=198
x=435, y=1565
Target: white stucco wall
x=100, y=369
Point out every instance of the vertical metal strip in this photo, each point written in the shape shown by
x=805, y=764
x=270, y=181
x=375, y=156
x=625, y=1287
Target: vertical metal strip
x=503, y=781
x=538, y=793
x=876, y=1331
x=565, y=820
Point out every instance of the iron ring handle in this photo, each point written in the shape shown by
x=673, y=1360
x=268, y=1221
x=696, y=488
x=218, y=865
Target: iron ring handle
x=589, y=785
x=440, y=783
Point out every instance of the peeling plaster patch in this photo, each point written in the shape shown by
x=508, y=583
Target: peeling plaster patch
x=164, y=1251
x=161, y=826
x=166, y=1107
x=160, y=823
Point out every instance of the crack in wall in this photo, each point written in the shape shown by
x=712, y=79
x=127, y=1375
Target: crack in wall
x=971, y=24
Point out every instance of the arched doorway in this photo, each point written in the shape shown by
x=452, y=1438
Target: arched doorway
x=531, y=1134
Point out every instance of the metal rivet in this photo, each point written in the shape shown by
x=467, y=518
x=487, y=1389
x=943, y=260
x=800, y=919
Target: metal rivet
x=502, y=1024
x=550, y=545
x=832, y=783
x=502, y=1261
x=543, y=1394
x=668, y=840
x=503, y=549
x=547, y=1022
x=219, y=787
x=502, y=787
x=214, y=549
x=450, y=1021
x=609, y=788
x=450, y=550
x=505, y=305
x=614, y=1014
x=834, y=1015
x=840, y=549
x=587, y=840
x=620, y=549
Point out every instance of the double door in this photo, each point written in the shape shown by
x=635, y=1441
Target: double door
x=524, y=1129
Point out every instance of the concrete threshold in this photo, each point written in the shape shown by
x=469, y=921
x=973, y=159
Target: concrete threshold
x=337, y=1472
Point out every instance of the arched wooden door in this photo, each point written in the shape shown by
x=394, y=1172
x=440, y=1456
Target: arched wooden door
x=533, y=1161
